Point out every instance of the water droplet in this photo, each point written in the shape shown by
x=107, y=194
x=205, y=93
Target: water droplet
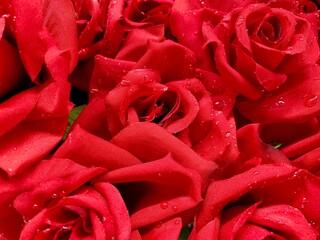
x=159, y=225
x=47, y=230
x=177, y=222
x=49, y=222
x=289, y=50
x=103, y=219
x=159, y=174
x=228, y=134
x=25, y=219
x=35, y=206
x=219, y=105
x=311, y=101
x=280, y=103
x=240, y=21
x=10, y=169
x=164, y=205
x=54, y=195
x=175, y=208
x=82, y=52
x=304, y=201
x=65, y=228
x=255, y=173
x=62, y=193
x=147, y=78
x=125, y=82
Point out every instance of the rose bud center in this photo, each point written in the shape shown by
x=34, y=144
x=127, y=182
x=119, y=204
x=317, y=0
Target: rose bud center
x=270, y=30
x=158, y=108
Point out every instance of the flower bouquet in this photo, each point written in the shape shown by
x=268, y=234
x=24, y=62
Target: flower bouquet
x=159, y=119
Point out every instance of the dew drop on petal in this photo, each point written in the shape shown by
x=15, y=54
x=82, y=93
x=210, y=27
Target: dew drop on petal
x=228, y=134
x=65, y=228
x=219, y=105
x=280, y=103
x=311, y=101
x=164, y=205
x=177, y=222
x=125, y=82
x=289, y=50
x=159, y=225
x=255, y=173
x=147, y=78
x=304, y=201
x=47, y=230
x=25, y=219
x=240, y=21
x=35, y=206
x=175, y=208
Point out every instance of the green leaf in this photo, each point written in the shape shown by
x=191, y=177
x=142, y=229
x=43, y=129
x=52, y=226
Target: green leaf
x=73, y=115
x=185, y=232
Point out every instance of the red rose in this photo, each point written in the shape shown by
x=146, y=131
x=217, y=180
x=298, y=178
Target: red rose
x=116, y=29
x=266, y=201
x=54, y=199
x=34, y=98
x=159, y=177
x=157, y=192
x=169, y=93
x=266, y=64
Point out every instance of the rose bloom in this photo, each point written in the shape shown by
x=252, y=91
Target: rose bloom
x=164, y=88
x=161, y=180
x=268, y=201
x=54, y=199
x=35, y=62
x=112, y=29
x=268, y=55
x=265, y=52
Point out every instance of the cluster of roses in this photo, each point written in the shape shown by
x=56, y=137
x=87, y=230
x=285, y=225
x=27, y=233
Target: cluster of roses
x=201, y=119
